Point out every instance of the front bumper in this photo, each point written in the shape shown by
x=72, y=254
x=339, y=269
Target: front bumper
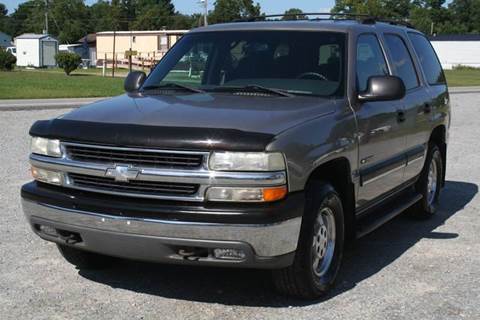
x=266, y=245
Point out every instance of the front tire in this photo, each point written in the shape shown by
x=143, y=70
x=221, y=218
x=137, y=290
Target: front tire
x=84, y=259
x=320, y=247
x=429, y=184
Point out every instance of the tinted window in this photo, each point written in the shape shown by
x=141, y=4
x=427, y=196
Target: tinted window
x=370, y=60
x=401, y=61
x=302, y=63
x=428, y=59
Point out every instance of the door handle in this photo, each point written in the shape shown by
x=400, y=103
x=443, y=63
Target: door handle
x=379, y=130
x=427, y=108
x=401, y=116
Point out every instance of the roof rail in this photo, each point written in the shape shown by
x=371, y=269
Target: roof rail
x=362, y=18
x=328, y=14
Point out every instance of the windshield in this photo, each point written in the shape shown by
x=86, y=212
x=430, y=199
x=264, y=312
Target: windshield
x=297, y=62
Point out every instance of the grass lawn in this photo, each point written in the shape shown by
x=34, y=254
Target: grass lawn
x=463, y=77
x=120, y=72
x=38, y=84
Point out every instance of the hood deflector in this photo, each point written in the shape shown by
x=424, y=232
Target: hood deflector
x=159, y=137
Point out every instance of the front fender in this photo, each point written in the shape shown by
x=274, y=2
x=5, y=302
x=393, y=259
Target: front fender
x=313, y=143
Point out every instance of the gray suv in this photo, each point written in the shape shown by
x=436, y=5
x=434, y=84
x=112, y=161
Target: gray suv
x=260, y=144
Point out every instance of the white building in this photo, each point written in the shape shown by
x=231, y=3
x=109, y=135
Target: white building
x=36, y=50
x=5, y=40
x=456, y=50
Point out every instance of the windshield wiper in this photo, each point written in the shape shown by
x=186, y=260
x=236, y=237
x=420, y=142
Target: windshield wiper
x=254, y=88
x=174, y=86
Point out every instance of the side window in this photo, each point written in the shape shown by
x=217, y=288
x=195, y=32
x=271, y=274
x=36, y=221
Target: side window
x=428, y=59
x=370, y=60
x=401, y=61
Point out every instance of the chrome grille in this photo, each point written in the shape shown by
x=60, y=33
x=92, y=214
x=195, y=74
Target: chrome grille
x=153, y=188
x=140, y=157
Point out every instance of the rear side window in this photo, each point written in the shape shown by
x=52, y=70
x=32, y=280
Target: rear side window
x=428, y=59
x=401, y=61
x=370, y=60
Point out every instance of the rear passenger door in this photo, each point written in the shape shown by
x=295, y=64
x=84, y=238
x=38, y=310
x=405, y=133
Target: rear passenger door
x=436, y=87
x=381, y=141
x=416, y=104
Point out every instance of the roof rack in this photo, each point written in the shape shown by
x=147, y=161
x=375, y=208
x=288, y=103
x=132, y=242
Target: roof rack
x=362, y=18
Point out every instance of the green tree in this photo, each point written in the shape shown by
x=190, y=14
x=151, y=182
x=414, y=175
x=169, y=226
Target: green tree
x=26, y=19
x=293, y=14
x=3, y=10
x=109, y=16
x=3, y=17
x=377, y=8
x=465, y=15
x=431, y=16
x=68, y=20
x=229, y=10
x=7, y=60
x=153, y=15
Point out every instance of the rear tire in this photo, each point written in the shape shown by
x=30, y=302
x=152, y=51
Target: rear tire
x=85, y=259
x=429, y=184
x=320, y=247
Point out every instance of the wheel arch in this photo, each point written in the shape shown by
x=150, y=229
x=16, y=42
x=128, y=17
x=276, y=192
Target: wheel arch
x=337, y=172
x=439, y=137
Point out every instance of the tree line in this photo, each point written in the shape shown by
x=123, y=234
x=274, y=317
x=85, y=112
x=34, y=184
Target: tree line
x=69, y=20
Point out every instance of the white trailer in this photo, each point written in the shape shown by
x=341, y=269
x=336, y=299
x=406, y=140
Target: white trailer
x=36, y=50
x=457, y=50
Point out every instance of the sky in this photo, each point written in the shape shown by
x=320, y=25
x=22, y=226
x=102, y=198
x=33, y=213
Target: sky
x=192, y=6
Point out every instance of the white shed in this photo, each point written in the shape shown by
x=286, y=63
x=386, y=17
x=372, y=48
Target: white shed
x=457, y=50
x=36, y=50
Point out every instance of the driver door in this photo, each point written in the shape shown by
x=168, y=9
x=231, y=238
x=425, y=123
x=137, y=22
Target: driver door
x=381, y=141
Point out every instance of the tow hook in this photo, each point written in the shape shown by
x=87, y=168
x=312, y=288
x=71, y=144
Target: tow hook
x=69, y=238
x=192, y=254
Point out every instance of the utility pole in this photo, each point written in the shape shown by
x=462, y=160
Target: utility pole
x=130, y=54
x=205, y=15
x=46, y=17
x=113, y=57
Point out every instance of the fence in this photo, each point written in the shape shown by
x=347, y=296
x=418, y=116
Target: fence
x=140, y=61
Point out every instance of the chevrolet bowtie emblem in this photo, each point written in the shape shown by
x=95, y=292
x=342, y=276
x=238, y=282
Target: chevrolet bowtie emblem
x=122, y=173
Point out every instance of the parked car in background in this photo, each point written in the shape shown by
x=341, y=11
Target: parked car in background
x=265, y=144
x=12, y=50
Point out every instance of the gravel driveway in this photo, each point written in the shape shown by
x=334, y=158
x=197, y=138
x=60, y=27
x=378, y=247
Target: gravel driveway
x=405, y=270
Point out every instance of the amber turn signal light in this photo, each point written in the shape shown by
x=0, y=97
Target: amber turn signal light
x=274, y=194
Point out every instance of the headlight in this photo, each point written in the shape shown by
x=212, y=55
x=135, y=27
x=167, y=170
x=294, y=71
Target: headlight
x=47, y=176
x=227, y=194
x=246, y=161
x=46, y=147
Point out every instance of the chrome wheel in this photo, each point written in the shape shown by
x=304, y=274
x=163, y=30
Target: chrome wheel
x=323, y=241
x=432, y=182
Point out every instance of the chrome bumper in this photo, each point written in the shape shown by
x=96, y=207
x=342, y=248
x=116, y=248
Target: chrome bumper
x=262, y=241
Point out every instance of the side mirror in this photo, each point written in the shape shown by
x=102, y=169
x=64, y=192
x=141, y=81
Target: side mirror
x=383, y=88
x=134, y=81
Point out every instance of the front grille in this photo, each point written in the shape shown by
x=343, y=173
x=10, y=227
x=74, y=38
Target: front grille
x=140, y=158
x=135, y=187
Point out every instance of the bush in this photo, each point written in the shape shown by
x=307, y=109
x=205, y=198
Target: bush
x=464, y=67
x=7, y=60
x=68, y=61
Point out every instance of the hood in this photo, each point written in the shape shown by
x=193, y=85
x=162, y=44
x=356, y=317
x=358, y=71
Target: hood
x=192, y=121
